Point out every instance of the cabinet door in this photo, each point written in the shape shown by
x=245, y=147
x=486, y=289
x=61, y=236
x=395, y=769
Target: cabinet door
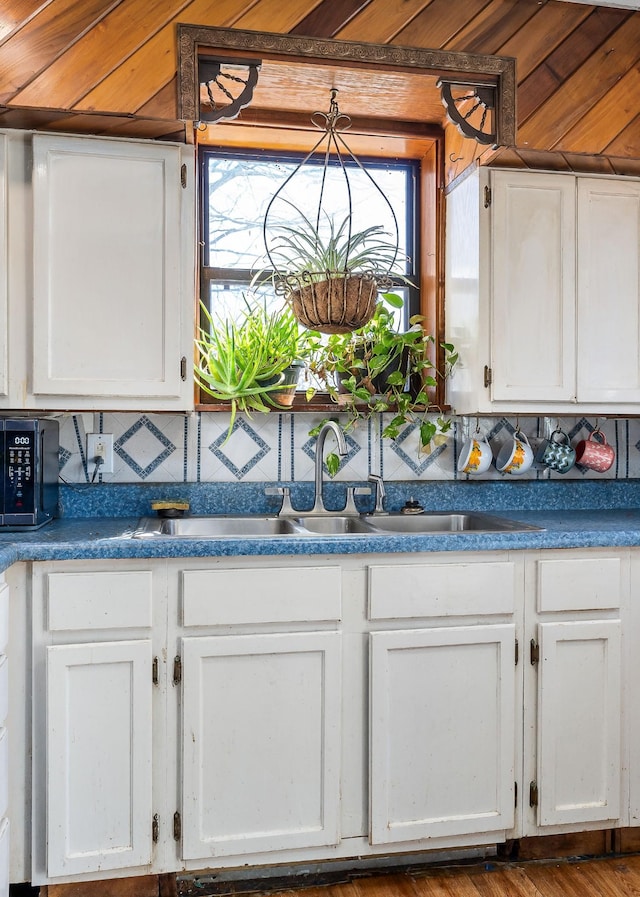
x=99, y=740
x=579, y=725
x=533, y=286
x=608, y=290
x=442, y=732
x=109, y=289
x=261, y=743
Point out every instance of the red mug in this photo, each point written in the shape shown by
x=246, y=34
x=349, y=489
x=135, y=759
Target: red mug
x=595, y=455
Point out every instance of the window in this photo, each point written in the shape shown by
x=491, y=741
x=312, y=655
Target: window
x=237, y=187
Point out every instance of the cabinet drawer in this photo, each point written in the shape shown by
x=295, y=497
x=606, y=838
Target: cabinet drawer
x=4, y=616
x=579, y=584
x=269, y=595
x=4, y=688
x=100, y=600
x=441, y=590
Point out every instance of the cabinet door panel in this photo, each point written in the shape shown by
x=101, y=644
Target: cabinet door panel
x=533, y=286
x=608, y=291
x=261, y=743
x=107, y=268
x=4, y=269
x=99, y=738
x=579, y=725
x=442, y=732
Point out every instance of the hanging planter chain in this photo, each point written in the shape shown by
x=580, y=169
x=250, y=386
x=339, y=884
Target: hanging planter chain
x=338, y=293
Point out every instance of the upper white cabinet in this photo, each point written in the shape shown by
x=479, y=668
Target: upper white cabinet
x=543, y=292
x=4, y=257
x=101, y=273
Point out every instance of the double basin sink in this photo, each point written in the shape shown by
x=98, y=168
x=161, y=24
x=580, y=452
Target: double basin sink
x=245, y=527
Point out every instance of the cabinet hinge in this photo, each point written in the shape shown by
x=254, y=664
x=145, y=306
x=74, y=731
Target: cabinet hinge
x=183, y=175
x=517, y=652
x=533, y=794
x=488, y=376
x=177, y=826
x=183, y=368
x=535, y=652
x=515, y=794
x=154, y=672
x=155, y=828
x=487, y=197
x=177, y=670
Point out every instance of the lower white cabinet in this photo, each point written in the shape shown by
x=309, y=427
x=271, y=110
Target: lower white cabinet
x=574, y=749
x=4, y=739
x=194, y=714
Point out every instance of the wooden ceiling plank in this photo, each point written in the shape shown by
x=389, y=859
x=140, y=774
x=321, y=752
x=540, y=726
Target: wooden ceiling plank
x=584, y=88
x=43, y=38
x=436, y=25
x=604, y=121
x=626, y=143
x=154, y=64
x=16, y=14
x=274, y=15
x=381, y=21
x=162, y=104
x=329, y=17
x=493, y=27
x=99, y=52
x=546, y=30
x=535, y=90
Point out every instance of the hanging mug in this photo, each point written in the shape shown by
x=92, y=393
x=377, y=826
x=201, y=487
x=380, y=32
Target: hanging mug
x=515, y=457
x=476, y=456
x=556, y=453
x=595, y=455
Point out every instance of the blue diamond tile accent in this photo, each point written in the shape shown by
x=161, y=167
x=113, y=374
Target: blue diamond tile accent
x=417, y=468
x=143, y=472
x=309, y=448
x=262, y=448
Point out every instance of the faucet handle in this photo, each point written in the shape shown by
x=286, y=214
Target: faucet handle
x=352, y=491
x=286, y=508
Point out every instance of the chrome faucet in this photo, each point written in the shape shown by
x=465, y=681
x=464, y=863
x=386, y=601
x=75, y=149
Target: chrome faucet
x=330, y=426
x=380, y=493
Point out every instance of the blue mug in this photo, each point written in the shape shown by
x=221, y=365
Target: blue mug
x=556, y=453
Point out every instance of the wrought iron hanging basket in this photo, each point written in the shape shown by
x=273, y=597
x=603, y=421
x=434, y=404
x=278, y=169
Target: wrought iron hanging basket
x=329, y=273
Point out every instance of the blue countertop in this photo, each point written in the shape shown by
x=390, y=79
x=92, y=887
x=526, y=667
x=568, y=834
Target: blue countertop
x=100, y=538
x=97, y=522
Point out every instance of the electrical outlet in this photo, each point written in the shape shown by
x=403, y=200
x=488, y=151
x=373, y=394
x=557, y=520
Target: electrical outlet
x=100, y=445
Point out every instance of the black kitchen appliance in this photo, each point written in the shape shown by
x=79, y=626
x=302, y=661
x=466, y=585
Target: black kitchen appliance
x=29, y=462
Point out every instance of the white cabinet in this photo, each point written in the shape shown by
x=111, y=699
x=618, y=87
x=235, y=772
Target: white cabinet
x=261, y=733
x=4, y=259
x=101, y=273
x=4, y=739
x=543, y=291
x=443, y=701
x=93, y=719
x=574, y=723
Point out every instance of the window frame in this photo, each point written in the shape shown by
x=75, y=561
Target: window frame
x=426, y=151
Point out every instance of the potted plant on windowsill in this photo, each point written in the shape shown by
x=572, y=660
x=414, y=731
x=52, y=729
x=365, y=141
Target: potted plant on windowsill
x=252, y=362
x=378, y=369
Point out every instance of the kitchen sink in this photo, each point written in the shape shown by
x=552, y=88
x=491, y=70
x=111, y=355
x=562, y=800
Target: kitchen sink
x=249, y=526
x=435, y=522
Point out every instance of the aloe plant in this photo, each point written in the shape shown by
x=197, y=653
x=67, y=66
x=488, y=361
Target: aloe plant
x=242, y=361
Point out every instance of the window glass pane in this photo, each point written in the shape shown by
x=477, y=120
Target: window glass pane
x=241, y=188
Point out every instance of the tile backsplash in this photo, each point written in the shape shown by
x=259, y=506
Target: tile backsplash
x=194, y=448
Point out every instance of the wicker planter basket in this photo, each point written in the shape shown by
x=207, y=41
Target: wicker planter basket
x=336, y=305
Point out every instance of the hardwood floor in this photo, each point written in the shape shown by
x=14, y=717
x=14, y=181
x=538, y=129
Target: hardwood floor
x=607, y=877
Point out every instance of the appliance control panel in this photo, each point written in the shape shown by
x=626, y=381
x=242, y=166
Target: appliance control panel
x=20, y=462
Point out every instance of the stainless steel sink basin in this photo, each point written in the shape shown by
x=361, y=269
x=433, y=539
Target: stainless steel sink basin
x=214, y=527
x=247, y=527
x=434, y=522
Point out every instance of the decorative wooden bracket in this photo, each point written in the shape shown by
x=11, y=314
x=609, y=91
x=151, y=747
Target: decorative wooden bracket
x=228, y=85
x=472, y=108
